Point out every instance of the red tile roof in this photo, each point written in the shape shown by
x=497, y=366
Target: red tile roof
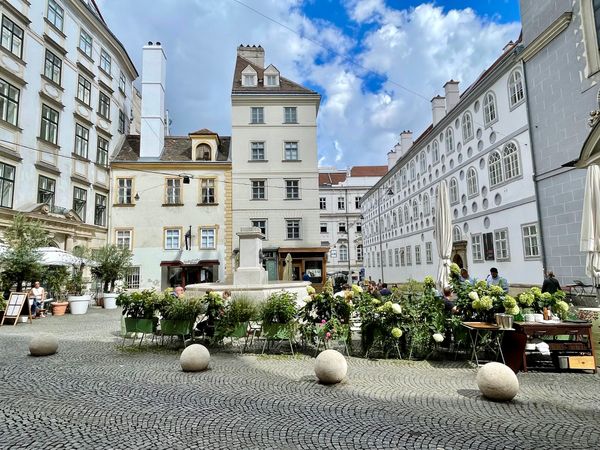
x=330, y=178
x=368, y=171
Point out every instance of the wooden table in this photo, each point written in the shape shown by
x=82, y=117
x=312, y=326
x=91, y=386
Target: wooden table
x=576, y=331
x=476, y=328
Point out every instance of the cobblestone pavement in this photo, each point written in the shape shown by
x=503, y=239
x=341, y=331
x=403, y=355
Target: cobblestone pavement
x=93, y=395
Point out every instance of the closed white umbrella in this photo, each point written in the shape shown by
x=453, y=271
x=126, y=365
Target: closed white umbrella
x=443, y=234
x=288, y=274
x=590, y=223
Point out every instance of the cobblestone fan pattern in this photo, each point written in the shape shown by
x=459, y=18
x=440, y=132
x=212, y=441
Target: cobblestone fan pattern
x=94, y=395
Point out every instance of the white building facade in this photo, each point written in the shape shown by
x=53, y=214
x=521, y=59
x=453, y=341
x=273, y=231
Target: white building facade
x=479, y=143
x=340, y=194
x=275, y=169
x=65, y=102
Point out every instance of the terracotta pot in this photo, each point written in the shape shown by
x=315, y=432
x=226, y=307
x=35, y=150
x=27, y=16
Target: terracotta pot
x=59, y=308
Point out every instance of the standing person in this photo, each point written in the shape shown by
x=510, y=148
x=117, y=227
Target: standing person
x=493, y=279
x=306, y=277
x=466, y=278
x=37, y=297
x=551, y=284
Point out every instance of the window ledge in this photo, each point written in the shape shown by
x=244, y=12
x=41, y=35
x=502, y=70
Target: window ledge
x=11, y=55
x=258, y=160
x=85, y=55
x=290, y=123
x=101, y=166
x=104, y=72
x=208, y=248
x=100, y=116
x=51, y=144
x=4, y=123
x=84, y=104
x=122, y=92
x=258, y=199
x=292, y=199
x=123, y=205
x=291, y=160
x=256, y=123
x=54, y=27
x=172, y=204
x=52, y=83
x=293, y=239
x=207, y=204
x=79, y=157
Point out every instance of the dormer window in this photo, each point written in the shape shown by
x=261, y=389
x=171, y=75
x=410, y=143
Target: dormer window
x=271, y=80
x=249, y=77
x=271, y=76
x=249, y=80
x=203, y=152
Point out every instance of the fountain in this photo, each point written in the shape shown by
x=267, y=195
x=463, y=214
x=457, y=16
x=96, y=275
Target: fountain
x=250, y=278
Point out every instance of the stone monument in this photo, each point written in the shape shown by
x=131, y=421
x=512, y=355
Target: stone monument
x=250, y=270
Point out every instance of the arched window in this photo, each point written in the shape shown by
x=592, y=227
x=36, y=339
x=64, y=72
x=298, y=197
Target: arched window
x=453, y=191
x=490, y=112
x=467, y=126
x=415, y=206
x=510, y=161
x=472, y=185
x=359, y=252
x=395, y=222
x=413, y=171
x=400, y=216
x=403, y=176
x=495, y=168
x=435, y=150
x=456, y=234
x=449, y=140
x=423, y=163
x=426, y=205
x=406, y=215
x=343, y=252
x=203, y=152
x=515, y=87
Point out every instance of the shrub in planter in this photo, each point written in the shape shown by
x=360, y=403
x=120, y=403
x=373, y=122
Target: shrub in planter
x=139, y=309
x=214, y=311
x=237, y=314
x=178, y=314
x=55, y=279
x=324, y=308
x=277, y=314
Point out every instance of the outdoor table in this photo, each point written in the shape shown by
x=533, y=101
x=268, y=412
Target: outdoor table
x=576, y=331
x=476, y=329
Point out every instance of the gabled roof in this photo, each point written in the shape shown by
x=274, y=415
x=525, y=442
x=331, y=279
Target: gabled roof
x=368, y=171
x=177, y=148
x=331, y=178
x=285, y=86
x=203, y=132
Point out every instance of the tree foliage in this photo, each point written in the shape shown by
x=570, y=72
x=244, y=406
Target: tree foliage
x=113, y=263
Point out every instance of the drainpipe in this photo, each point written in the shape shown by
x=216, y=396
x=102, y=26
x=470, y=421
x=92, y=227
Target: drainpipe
x=380, y=239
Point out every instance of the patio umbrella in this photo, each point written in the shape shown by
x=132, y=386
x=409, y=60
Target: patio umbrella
x=52, y=256
x=443, y=234
x=287, y=270
x=590, y=223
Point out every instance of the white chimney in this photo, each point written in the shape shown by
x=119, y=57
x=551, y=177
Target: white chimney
x=438, y=108
x=254, y=54
x=392, y=156
x=154, y=65
x=452, y=94
x=406, y=141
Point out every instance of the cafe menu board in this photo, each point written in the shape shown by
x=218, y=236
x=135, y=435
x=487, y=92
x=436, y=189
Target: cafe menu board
x=16, y=302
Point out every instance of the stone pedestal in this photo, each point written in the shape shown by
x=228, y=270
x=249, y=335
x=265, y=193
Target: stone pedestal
x=250, y=270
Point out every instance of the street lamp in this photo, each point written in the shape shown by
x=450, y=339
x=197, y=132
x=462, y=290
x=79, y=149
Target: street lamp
x=389, y=193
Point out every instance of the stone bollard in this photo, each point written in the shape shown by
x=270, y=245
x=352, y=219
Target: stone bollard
x=497, y=382
x=194, y=358
x=43, y=345
x=331, y=367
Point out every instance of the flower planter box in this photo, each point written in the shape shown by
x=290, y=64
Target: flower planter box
x=278, y=331
x=133, y=325
x=59, y=308
x=175, y=327
x=78, y=304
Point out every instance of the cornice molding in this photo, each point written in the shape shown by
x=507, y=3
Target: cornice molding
x=547, y=36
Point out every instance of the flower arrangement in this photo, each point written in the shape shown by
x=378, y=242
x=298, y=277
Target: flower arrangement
x=534, y=300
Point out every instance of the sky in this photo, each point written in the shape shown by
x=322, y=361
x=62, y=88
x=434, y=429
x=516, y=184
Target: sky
x=376, y=63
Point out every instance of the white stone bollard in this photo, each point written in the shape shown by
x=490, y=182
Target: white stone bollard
x=194, y=358
x=498, y=382
x=331, y=367
x=43, y=345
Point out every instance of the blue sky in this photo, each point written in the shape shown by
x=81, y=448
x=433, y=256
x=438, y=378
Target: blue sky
x=363, y=56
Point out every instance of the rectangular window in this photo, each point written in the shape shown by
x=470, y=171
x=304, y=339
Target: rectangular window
x=7, y=185
x=122, y=82
x=249, y=80
x=378, y=259
x=12, y=37
x=290, y=114
x=55, y=14
x=501, y=244
x=102, y=151
x=292, y=228
x=257, y=114
x=488, y=246
x=262, y=224
x=397, y=257
x=46, y=190
x=124, y=191
x=259, y=191
x=402, y=257
x=531, y=246
x=292, y=189
x=132, y=280
x=49, y=130
x=9, y=102
x=291, y=151
x=357, y=202
x=258, y=151
x=105, y=61
x=322, y=203
x=417, y=254
x=341, y=202
x=408, y=256
x=173, y=191
x=52, y=67
x=80, y=202
x=323, y=227
x=172, y=239
x=271, y=80
x=82, y=137
x=207, y=238
x=359, y=227
x=390, y=258
x=383, y=259
x=207, y=191
x=122, y=122
x=84, y=90
x=476, y=247
x=123, y=238
x=342, y=227
x=428, y=253
x=100, y=210
x=85, y=43
x=359, y=252
x=104, y=105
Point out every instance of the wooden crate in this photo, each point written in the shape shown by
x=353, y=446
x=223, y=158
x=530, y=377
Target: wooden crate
x=582, y=362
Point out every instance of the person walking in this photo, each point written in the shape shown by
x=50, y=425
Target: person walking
x=493, y=279
x=551, y=284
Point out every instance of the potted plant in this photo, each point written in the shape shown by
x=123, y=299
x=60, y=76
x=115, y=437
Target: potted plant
x=178, y=314
x=138, y=310
x=234, y=323
x=78, y=301
x=56, y=278
x=278, y=314
x=112, y=263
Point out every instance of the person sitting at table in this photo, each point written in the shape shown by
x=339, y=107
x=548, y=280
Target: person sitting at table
x=550, y=284
x=466, y=278
x=37, y=296
x=384, y=289
x=493, y=279
x=449, y=307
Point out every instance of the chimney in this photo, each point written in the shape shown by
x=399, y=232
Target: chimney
x=393, y=156
x=406, y=141
x=154, y=63
x=452, y=94
x=254, y=54
x=438, y=108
